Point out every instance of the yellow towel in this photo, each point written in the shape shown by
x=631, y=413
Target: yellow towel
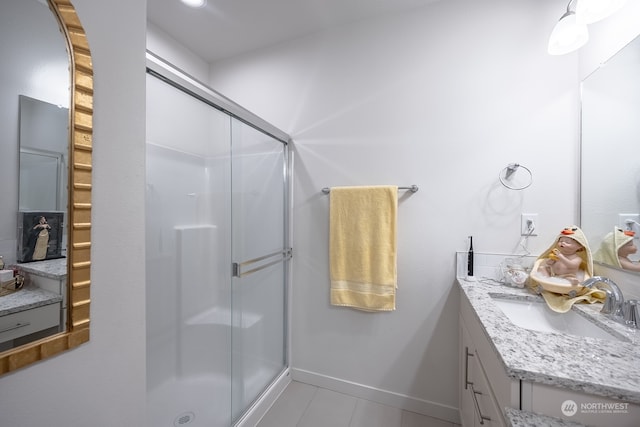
x=563, y=303
x=362, y=244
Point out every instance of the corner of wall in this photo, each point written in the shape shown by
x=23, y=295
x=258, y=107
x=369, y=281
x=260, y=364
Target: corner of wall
x=163, y=45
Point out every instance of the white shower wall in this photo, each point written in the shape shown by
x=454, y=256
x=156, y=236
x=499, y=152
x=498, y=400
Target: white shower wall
x=188, y=258
x=184, y=177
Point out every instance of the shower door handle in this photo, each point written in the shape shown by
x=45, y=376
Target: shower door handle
x=239, y=268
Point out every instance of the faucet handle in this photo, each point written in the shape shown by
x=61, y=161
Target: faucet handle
x=631, y=313
x=610, y=303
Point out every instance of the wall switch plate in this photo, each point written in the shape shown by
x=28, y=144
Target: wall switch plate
x=622, y=222
x=525, y=220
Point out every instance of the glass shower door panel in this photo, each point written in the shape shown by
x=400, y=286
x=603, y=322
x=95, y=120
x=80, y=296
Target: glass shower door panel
x=187, y=259
x=260, y=255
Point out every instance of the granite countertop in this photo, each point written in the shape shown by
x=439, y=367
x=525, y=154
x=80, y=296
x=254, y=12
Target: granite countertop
x=25, y=299
x=589, y=365
x=518, y=418
x=52, y=268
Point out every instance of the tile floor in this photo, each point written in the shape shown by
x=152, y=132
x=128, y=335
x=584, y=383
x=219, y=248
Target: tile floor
x=303, y=405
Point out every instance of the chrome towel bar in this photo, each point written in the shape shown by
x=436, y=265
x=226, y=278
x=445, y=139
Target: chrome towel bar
x=412, y=188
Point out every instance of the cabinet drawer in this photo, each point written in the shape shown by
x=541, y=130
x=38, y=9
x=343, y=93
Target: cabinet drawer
x=26, y=322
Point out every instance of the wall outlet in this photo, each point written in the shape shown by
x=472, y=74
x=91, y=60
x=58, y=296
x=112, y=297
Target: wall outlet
x=622, y=222
x=529, y=225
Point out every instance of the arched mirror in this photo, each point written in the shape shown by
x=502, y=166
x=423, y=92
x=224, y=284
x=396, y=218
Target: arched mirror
x=46, y=99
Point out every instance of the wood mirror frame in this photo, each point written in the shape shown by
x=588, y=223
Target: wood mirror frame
x=79, y=209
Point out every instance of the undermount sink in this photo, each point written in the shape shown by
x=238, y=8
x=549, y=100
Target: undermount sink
x=537, y=316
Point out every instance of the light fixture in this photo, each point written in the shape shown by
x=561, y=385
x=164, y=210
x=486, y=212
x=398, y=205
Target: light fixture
x=594, y=10
x=194, y=3
x=569, y=34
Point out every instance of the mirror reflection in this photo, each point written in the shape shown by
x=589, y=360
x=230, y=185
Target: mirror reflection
x=618, y=249
x=42, y=202
x=44, y=150
x=610, y=174
x=34, y=98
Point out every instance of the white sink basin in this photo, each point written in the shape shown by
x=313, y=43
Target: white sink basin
x=536, y=316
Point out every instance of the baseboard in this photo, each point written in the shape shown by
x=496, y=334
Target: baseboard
x=264, y=403
x=397, y=400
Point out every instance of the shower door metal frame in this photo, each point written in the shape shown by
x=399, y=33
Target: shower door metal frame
x=170, y=74
x=182, y=81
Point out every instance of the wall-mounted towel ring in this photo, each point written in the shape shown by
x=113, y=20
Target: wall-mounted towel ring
x=515, y=177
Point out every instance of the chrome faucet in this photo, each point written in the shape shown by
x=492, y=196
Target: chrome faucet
x=631, y=313
x=614, y=300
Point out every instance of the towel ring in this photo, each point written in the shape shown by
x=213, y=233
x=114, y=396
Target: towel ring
x=510, y=178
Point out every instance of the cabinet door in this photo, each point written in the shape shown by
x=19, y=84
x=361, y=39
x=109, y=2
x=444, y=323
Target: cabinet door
x=505, y=390
x=478, y=407
x=467, y=414
x=488, y=414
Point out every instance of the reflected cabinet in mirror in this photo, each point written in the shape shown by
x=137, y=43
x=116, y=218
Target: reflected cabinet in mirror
x=610, y=170
x=46, y=99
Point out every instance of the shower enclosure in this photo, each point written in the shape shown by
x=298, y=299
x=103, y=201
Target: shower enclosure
x=217, y=253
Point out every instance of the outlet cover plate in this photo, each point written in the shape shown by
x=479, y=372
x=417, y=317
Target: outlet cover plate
x=524, y=224
x=623, y=217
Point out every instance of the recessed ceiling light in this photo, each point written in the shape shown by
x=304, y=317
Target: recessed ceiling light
x=194, y=3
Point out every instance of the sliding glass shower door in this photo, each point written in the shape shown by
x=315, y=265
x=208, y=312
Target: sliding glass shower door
x=259, y=253
x=216, y=260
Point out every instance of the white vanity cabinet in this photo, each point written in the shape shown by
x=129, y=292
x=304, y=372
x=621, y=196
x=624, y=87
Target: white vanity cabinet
x=56, y=285
x=484, y=386
x=602, y=379
x=51, y=276
x=584, y=408
x=26, y=322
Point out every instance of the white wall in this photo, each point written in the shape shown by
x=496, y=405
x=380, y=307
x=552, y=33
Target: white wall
x=102, y=383
x=167, y=48
x=443, y=97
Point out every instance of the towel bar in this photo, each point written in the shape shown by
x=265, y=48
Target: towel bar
x=412, y=188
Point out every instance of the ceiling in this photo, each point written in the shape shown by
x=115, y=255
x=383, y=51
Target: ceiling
x=226, y=28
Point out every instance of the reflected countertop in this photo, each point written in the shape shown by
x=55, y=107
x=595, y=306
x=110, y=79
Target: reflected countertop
x=25, y=299
x=589, y=365
x=52, y=268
